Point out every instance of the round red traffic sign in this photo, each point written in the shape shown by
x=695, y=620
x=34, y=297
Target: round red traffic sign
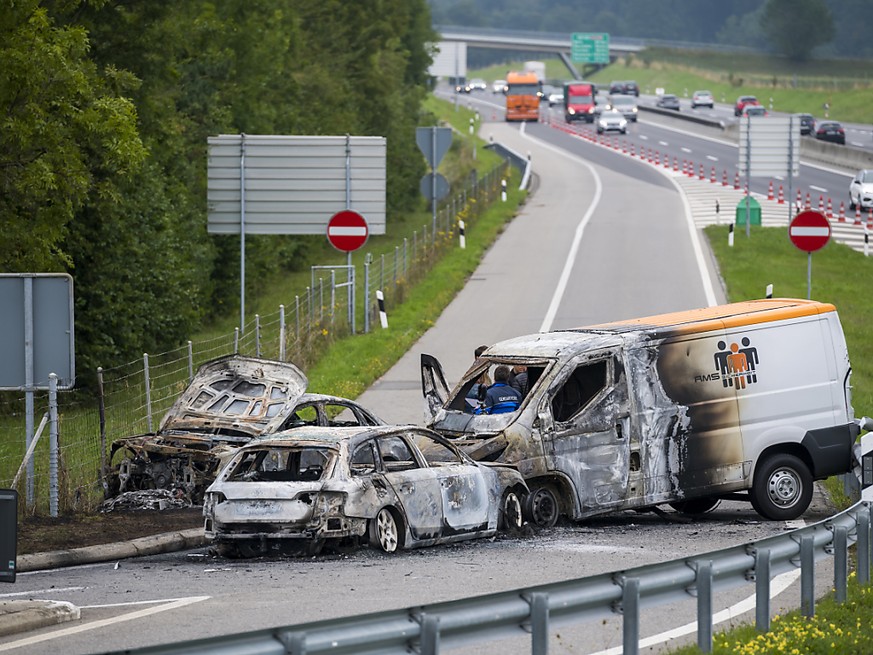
x=347, y=230
x=809, y=230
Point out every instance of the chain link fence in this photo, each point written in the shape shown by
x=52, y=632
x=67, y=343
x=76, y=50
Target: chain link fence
x=132, y=398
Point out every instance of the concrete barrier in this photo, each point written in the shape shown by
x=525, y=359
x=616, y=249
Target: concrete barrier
x=692, y=118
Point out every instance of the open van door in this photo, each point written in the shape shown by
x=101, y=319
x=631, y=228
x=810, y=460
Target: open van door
x=433, y=386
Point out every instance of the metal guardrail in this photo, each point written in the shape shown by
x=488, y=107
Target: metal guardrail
x=672, y=113
x=519, y=161
x=428, y=629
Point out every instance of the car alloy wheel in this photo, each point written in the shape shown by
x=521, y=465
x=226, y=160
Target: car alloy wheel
x=510, y=512
x=384, y=532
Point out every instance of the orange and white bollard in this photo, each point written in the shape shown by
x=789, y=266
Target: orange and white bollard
x=842, y=217
x=701, y=175
x=770, y=191
x=808, y=201
x=712, y=175
x=737, y=181
x=857, y=215
x=781, y=197
x=830, y=210
x=724, y=181
x=675, y=165
x=821, y=203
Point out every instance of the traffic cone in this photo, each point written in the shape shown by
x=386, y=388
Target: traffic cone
x=737, y=181
x=857, y=215
x=657, y=158
x=691, y=169
x=624, y=147
x=633, y=151
x=799, y=198
x=830, y=211
x=781, y=197
x=702, y=175
x=675, y=165
x=870, y=219
x=712, y=175
x=821, y=203
x=808, y=202
x=770, y=191
x=842, y=217
x=724, y=181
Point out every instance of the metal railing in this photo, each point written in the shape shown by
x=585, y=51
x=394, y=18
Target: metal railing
x=132, y=398
x=534, y=611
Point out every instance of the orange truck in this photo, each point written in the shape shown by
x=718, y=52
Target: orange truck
x=579, y=102
x=523, y=91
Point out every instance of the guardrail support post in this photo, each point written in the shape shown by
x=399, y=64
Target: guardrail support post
x=704, y=606
x=539, y=623
x=841, y=561
x=762, y=590
x=294, y=643
x=430, y=635
x=807, y=576
x=863, y=545
x=630, y=607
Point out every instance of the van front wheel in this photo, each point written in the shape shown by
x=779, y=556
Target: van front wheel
x=782, y=489
x=543, y=508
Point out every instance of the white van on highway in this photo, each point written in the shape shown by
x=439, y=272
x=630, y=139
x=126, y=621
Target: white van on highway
x=750, y=400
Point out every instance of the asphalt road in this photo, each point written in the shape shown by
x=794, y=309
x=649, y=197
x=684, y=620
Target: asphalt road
x=604, y=237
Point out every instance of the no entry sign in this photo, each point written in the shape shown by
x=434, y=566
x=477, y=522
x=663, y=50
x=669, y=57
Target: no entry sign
x=809, y=231
x=347, y=230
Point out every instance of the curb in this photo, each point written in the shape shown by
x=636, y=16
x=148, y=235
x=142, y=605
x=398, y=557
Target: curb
x=25, y=615
x=160, y=543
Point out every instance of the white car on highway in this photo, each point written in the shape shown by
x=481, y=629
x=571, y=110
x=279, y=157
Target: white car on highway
x=611, y=120
x=861, y=190
x=702, y=99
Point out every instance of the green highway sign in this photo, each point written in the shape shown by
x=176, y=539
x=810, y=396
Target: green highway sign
x=590, y=47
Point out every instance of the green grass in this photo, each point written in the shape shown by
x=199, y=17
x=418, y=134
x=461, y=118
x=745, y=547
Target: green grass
x=847, y=86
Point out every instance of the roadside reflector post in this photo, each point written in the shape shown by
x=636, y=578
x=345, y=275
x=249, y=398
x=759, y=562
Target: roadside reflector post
x=383, y=315
x=503, y=190
x=717, y=215
x=461, y=235
x=731, y=236
x=866, y=241
x=769, y=290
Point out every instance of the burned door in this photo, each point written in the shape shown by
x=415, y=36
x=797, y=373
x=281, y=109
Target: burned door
x=590, y=441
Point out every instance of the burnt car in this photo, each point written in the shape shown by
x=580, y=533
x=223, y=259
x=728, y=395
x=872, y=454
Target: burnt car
x=392, y=486
x=230, y=401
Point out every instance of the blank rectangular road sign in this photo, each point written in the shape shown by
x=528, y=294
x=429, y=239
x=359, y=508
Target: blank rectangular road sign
x=294, y=184
x=770, y=145
x=50, y=317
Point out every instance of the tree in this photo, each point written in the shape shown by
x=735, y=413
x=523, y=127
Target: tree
x=795, y=27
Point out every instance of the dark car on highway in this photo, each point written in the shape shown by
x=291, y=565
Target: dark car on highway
x=807, y=123
x=625, y=87
x=668, y=101
x=830, y=131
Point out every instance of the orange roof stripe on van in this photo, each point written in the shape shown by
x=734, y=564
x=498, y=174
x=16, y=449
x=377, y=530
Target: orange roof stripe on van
x=739, y=314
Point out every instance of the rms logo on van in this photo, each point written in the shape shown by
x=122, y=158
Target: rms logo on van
x=735, y=365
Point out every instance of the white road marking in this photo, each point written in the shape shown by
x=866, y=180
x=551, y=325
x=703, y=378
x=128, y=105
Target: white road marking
x=817, y=188
x=577, y=237
x=40, y=592
x=688, y=150
x=711, y=158
x=644, y=137
x=857, y=143
x=174, y=604
x=663, y=143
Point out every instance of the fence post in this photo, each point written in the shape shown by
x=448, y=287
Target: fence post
x=396, y=264
x=190, y=361
x=257, y=335
x=704, y=606
x=53, y=445
x=321, y=301
x=841, y=562
x=297, y=318
x=281, y=333
x=148, y=390
x=332, y=294
x=539, y=623
x=405, y=257
x=367, y=293
x=630, y=609
x=762, y=590
x=382, y=271
x=236, y=341
x=430, y=635
x=101, y=407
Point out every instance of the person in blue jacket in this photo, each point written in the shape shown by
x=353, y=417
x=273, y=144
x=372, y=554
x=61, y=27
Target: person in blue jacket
x=500, y=397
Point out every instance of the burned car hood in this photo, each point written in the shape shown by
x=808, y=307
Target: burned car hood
x=237, y=394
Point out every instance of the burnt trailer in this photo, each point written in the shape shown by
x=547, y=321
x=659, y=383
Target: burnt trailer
x=748, y=400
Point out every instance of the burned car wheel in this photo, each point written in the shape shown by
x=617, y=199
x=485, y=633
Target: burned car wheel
x=385, y=531
x=782, y=489
x=543, y=507
x=511, y=515
x=695, y=505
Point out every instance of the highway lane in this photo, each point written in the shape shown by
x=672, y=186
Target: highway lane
x=633, y=233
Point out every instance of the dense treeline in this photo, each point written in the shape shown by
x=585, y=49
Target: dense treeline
x=730, y=22
x=106, y=108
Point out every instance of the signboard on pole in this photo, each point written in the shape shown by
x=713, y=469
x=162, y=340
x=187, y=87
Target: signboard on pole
x=434, y=143
x=809, y=231
x=590, y=47
x=347, y=230
x=769, y=146
x=36, y=321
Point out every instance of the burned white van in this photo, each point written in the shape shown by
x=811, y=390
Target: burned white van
x=748, y=400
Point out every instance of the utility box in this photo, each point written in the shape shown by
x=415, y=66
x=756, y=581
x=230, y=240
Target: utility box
x=754, y=211
x=8, y=534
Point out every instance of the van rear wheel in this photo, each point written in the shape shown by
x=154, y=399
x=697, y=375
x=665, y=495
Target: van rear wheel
x=782, y=489
x=543, y=507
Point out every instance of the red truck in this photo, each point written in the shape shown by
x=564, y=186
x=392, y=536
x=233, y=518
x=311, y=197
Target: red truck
x=579, y=101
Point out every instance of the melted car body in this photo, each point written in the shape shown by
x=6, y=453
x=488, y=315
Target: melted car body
x=398, y=486
x=230, y=401
x=682, y=408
